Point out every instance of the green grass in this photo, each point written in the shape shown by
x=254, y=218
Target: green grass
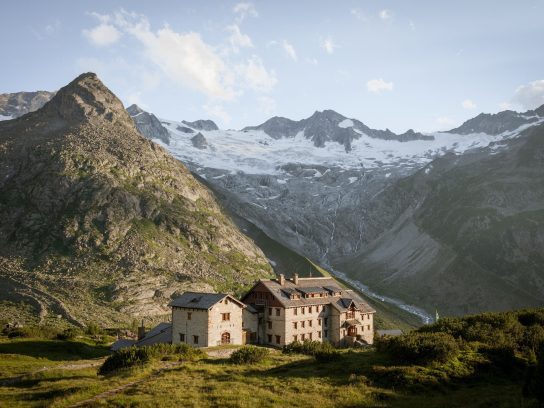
x=357, y=378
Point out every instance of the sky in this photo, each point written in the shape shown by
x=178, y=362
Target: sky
x=426, y=65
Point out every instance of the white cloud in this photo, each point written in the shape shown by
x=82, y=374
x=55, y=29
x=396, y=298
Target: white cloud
x=238, y=40
x=328, y=44
x=468, y=104
x=359, y=15
x=217, y=111
x=378, y=86
x=52, y=28
x=267, y=105
x=102, y=35
x=256, y=76
x=530, y=96
x=385, y=14
x=289, y=50
x=243, y=10
x=182, y=57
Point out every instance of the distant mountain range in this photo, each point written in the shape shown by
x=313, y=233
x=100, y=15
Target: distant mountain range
x=449, y=220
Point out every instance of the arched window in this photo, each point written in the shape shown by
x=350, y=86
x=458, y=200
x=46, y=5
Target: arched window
x=225, y=338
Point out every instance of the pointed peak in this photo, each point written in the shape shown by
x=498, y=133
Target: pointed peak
x=87, y=98
x=134, y=110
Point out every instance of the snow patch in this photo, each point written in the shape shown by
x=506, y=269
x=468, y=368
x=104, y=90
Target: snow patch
x=2, y=117
x=352, y=179
x=346, y=123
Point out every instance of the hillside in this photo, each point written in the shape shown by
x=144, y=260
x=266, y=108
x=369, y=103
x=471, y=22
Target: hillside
x=465, y=234
x=99, y=223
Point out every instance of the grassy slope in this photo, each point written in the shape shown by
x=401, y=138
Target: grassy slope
x=356, y=379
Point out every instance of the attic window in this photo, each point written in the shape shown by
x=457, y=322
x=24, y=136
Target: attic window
x=226, y=301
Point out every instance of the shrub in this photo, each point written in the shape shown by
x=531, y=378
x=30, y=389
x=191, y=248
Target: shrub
x=41, y=332
x=93, y=329
x=249, y=355
x=69, y=334
x=322, y=351
x=420, y=348
x=139, y=356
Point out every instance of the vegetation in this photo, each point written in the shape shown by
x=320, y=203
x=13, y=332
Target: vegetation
x=249, y=355
x=497, y=360
x=132, y=357
x=323, y=352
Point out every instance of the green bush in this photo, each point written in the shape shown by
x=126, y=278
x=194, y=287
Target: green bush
x=139, y=356
x=39, y=332
x=420, y=348
x=249, y=355
x=69, y=334
x=322, y=351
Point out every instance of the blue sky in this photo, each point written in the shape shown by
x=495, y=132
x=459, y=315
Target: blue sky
x=425, y=65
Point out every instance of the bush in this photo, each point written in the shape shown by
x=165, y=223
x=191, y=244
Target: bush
x=323, y=352
x=249, y=355
x=139, y=356
x=69, y=334
x=39, y=332
x=420, y=348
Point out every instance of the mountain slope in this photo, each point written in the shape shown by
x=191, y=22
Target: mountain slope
x=466, y=233
x=13, y=105
x=148, y=124
x=97, y=222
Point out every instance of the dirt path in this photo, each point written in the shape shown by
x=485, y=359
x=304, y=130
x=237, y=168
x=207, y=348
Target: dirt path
x=117, y=390
x=78, y=366
x=221, y=353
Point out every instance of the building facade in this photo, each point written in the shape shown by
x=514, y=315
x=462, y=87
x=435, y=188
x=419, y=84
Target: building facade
x=301, y=309
x=211, y=319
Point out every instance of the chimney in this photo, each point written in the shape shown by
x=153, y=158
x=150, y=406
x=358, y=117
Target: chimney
x=281, y=280
x=295, y=278
x=141, y=331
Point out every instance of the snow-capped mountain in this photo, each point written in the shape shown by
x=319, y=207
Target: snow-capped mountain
x=13, y=105
x=305, y=189
x=147, y=124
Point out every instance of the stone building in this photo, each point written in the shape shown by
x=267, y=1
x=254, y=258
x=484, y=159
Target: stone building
x=212, y=319
x=301, y=309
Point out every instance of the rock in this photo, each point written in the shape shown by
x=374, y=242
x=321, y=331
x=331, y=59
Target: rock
x=148, y=124
x=199, y=141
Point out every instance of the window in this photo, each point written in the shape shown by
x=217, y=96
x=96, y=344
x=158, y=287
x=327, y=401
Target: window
x=269, y=338
x=325, y=333
x=195, y=339
x=225, y=316
x=303, y=323
x=309, y=323
x=278, y=338
x=317, y=308
x=182, y=337
x=295, y=338
x=270, y=311
x=295, y=310
x=310, y=336
x=277, y=311
x=189, y=314
x=303, y=310
x=295, y=325
x=226, y=301
x=326, y=321
x=303, y=337
x=368, y=327
x=319, y=334
x=310, y=309
x=269, y=323
x=319, y=322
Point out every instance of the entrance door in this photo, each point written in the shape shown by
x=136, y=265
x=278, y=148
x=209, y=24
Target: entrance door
x=352, y=331
x=225, y=338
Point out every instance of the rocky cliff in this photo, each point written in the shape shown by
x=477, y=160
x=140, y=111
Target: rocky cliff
x=13, y=105
x=97, y=222
x=148, y=124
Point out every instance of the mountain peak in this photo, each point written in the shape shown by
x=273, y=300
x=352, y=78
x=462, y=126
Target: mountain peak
x=87, y=98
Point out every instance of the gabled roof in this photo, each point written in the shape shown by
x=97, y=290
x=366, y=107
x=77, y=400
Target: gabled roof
x=162, y=333
x=312, y=285
x=201, y=300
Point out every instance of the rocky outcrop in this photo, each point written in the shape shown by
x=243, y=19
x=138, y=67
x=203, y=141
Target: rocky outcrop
x=199, y=141
x=100, y=220
x=13, y=105
x=201, y=124
x=495, y=124
x=148, y=124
